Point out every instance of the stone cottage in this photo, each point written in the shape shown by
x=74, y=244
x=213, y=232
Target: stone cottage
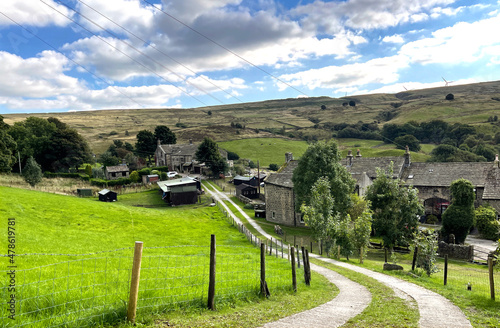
x=432, y=180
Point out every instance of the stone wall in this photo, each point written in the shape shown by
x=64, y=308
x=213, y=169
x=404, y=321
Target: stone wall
x=458, y=252
x=280, y=202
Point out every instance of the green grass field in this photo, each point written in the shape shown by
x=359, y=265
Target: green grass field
x=56, y=286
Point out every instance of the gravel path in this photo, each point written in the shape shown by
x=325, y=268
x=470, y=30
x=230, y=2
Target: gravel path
x=435, y=310
x=352, y=299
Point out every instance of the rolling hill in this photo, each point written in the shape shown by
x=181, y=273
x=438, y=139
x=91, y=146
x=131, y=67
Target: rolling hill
x=303, y=117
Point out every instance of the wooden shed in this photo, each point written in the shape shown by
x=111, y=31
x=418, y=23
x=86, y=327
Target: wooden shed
x=84, y=192
x=106, y=195
x=180, y=191
x=247, y=191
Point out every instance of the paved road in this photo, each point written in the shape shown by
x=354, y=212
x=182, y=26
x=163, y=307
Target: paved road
x=435, y=310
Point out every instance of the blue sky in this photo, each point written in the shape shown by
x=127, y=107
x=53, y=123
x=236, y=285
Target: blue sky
x=92, y=54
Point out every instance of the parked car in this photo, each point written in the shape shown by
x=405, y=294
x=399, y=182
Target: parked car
x=171, y=174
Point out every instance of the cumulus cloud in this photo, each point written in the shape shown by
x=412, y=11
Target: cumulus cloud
x=397, y=38
x=462, y=42
x=380, y=70
x=33, y=13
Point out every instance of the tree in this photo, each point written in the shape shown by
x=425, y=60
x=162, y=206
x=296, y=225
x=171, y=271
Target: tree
x=209, y=113
x=450, y=96
x=32, y=172
x=163, y=133
x=322, y=159
x=7, y=148
x=395, y=207
x=107, y=159
x=274, y=167
x=208, y=153
x=352, y=103
x=67, y=149
x=134, y=177
x=323, y=107
x=487, y=223
x=407, y=140
x=232, y=156
x=146, y=144
x=459, y=216
x=320, y=215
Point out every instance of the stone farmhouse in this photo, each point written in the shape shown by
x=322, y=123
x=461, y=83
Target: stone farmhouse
x=181, y=157
x=432, y=180
x=117, y=172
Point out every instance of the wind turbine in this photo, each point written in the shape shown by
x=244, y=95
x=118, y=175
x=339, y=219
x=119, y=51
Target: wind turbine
x=446, y=82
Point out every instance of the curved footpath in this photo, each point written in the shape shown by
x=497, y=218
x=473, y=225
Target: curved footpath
x=435, y=310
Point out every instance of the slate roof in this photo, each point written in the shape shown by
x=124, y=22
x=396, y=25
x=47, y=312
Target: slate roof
x=106, y=191
x=244, y=186
x=180, y=150
x=117, y=168
x=369, y=165
x=284, y=177
x=492, y=184
x=242, y=178
x=166, y=185
x=443, y=174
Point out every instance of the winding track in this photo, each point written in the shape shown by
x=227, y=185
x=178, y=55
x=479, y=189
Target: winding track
x=435, y=310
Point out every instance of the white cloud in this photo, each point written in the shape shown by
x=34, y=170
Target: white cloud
x=35, y=77
x=397, y=38
x=380, y=70
x=33, y=13
x=462, y=42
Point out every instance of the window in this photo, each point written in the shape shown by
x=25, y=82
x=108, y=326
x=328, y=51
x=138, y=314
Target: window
x=273, y=215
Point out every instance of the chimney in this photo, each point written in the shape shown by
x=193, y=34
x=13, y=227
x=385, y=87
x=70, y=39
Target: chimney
x=358, y=155
x=158, y=142
x=349, y=157
x=123, y=162
x=288, y=157
x=496, y=162
x=407, y=157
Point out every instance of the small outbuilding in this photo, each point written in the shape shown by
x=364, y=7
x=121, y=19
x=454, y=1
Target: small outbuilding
x=106, y=195
x=247, y=191
x=180, y=191
x=84, y=192
x=248, y=180
x=150, y=178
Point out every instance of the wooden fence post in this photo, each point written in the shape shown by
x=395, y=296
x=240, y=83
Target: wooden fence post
x=308, y=282
x=298, y=257
x=311, y=249
x=415, y=253
x=134, y=282
x=263, y=285
x=294, y=276
x=211, y=282
x=492, y=279
x=445, y=269
x=281, y=248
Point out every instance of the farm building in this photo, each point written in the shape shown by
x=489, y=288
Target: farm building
x=247, y=191
x=106, y=195
x=117, y=172
x=180, y=157
x=150, y=178
x=180, y=191
x=432, y=180
x=248, y=180
x=84, y=192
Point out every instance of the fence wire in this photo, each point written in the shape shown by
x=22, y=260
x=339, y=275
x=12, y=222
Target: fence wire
x=92, y=291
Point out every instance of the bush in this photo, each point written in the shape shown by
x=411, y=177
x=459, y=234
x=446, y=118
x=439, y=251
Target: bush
x=352, y=103
x=134, y=176
x=232, y=156
x=248, y=206
x=431, y=219
x=144, y=171
x=487, y=223
x=274, y=167
x=450, y=96
x=407, y=140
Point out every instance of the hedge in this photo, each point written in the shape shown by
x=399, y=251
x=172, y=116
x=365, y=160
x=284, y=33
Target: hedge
x=66, y=175
x=110, y=183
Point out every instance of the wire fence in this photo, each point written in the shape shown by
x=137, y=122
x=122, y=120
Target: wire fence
x=94, y=290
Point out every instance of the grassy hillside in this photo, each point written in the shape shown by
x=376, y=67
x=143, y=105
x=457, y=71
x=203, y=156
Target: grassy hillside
x=272, y=150
x=303, y=117
x=54, y=286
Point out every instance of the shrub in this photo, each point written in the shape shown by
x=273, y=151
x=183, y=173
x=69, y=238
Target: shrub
x=487, y=223
x=432, y=219
x=450, y=96
x=459, y=216
x=352, y=103
x=248, y=206
x=112, y=133
x=144, y=171
x=273, y=167
x=232, y=156
x=163, y=176
x=134, y=176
